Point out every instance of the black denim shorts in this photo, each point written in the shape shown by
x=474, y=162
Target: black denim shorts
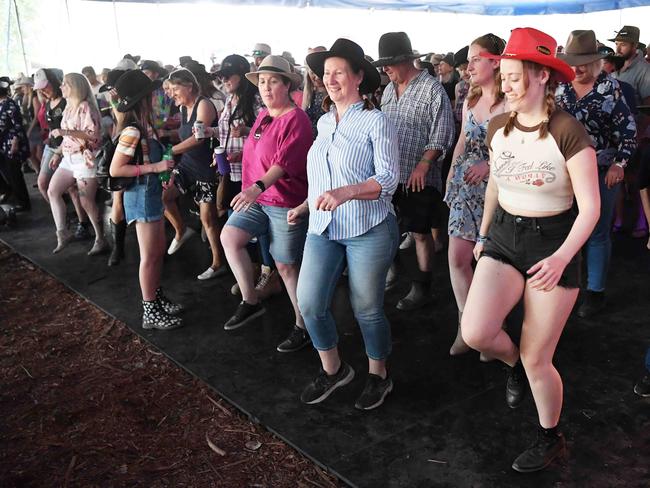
x=419, y=211
x=523, y=241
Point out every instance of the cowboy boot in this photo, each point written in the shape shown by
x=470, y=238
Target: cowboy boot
x=117, y=234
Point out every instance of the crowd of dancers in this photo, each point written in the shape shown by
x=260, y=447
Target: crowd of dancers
x=514, y=154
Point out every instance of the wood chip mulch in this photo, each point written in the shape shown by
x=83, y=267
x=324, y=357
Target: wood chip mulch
x=85, y=403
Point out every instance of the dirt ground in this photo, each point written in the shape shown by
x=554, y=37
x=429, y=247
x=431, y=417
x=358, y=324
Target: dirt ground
x=85, y=403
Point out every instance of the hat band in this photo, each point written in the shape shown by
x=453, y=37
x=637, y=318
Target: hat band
x=273, y=69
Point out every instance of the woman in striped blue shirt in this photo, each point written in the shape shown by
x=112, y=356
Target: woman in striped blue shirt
x=353, y=171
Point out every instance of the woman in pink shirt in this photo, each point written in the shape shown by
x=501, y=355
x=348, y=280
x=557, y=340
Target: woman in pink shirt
x=274, y=180
x=80, y=129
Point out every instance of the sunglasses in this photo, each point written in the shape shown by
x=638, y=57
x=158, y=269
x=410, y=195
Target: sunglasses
x=260, y=128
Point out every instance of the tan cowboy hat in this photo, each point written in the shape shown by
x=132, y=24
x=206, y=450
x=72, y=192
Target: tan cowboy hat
x=275, y=65
x=581, y=48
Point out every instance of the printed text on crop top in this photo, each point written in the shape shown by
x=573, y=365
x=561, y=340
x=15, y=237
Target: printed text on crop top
x=531, y=173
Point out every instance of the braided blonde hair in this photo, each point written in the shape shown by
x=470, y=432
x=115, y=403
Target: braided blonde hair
x=549, y=99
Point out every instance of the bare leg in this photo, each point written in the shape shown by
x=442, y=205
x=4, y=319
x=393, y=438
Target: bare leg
x=545, y=316
x=87, y=189
x=172, y=213
x=212, y=228
x=76, y=203
x=60, y=182
x=423, y=251
x=460, y=271
x=377, y=367
x=645, y=202
x=151, y=240
x=234, y=242
x=330, y=360
x=495, y=290
x=289, y=274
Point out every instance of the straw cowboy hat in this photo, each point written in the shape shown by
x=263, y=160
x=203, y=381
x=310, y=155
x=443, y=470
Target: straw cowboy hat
x=528, y=44
x=581, y=48
x=275, y=65
x=346, y=49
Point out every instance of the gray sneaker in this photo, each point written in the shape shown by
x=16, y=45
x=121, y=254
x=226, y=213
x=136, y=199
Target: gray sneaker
x=374, y=392
x=323, y=385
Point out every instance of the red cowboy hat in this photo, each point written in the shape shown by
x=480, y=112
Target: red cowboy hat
x=528, y=44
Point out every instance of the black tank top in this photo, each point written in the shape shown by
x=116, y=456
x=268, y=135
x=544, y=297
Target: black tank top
x=199, y=158
x=54, y=116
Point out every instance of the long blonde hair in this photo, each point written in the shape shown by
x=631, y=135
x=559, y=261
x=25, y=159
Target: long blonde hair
x=80, y=91
x=494, y=45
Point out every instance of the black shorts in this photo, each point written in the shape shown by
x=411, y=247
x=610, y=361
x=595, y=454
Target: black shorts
x=524, y=241
x=202, y=189
x=419, y=211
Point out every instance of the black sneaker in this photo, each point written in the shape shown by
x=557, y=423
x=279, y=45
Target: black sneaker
x=298, y=338
x=245, y=313
x=516, y=385
x=81, y=233
x=543, y=452
x=374, y=392
x=323, y=385
x=642, y=388
x=593, y=303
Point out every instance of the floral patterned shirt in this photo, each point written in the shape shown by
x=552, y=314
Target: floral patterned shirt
x=11, y=125
x=605, y=115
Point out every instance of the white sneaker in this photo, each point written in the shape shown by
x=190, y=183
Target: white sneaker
x=407, y=242
x=210, y=273
x=176, y=245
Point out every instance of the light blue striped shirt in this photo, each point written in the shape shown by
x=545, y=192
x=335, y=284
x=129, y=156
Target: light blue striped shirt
x=362, y=146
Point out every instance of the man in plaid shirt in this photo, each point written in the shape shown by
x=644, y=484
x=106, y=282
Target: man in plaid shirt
x=421, y=111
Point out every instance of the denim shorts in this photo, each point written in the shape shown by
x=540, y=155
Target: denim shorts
x=143, y=200
x=524, y=241
x=287, y=241
x=48, y=152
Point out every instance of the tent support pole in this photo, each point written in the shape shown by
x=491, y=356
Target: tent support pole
x=22, y=41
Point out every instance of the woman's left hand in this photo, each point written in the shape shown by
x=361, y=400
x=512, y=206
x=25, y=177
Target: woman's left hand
x=329, y=200
x=615, y=174
x=546, y=274
x=245, y=198
x=476, y=173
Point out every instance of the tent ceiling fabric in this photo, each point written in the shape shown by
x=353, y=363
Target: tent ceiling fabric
x=478, y=7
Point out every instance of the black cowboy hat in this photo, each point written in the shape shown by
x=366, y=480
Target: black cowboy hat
x=346, y=49
x=5, y=82
x=183, y=60
x=151, y=65
x=111, y=78
x=460, y=57
x=395, y=48
x=132, y=87
x=233, y=64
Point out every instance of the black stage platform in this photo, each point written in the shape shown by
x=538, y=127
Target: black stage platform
x=446, y=423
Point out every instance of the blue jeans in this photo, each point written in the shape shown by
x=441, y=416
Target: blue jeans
x=599, y=245
x=368, y=258
x=647, y=360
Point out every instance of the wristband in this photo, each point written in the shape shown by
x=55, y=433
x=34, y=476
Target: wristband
x=481, y=239
x=260, y=184
x=427, y=161
x=621, y=165
x=137, y=171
